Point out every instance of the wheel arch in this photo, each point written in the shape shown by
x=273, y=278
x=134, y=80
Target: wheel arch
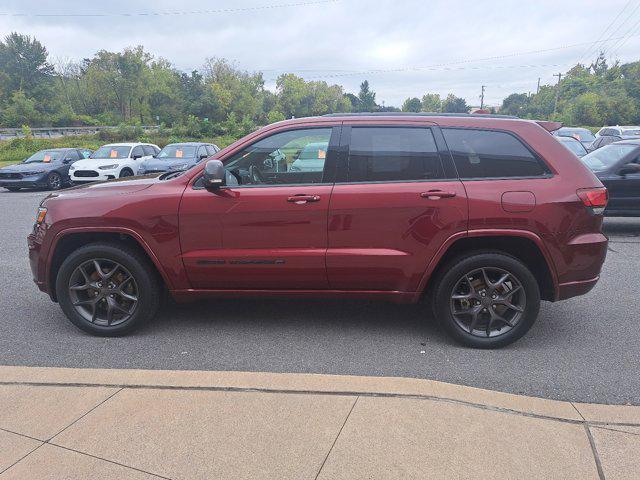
x=68, y=240
x=523, y=245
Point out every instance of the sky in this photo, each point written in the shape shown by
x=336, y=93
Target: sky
x=404, y=48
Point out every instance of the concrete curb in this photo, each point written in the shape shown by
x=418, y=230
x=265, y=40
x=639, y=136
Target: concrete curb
x=595, y=414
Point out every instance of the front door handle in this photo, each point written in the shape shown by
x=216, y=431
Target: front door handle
x=302, y=198
x=437, y=194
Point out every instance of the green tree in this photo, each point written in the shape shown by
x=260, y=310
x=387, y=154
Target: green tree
x=366, y=98
x=515, y=104
x=453, y=104
x=412, y=105
x=24, y=66
x=431, y=102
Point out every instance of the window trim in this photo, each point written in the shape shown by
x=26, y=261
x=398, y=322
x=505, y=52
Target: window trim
x=548, y=173
x=330, y=165
x=342, y=174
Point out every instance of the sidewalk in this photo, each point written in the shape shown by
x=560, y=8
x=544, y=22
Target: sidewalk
x=118, y=424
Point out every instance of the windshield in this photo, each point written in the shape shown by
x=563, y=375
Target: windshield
x=607, y=156
x=115, y=151
x=581, y=134
x=314, y=151
x=44, y=156
x=178, y=151
x=575, y=146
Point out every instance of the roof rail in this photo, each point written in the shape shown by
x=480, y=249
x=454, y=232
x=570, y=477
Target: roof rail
x=419, y=114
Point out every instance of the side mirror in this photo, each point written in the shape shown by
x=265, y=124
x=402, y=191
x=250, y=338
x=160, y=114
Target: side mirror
x=214, y=175
x=136, y=157
x=629, y=168
x=202, y=156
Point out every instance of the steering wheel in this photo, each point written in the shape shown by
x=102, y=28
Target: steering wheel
x=256, y=175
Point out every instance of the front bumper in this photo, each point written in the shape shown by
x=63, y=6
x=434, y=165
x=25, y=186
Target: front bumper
x=25, y=182
x=101, y=175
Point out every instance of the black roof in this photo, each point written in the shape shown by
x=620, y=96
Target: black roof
x=419, y=114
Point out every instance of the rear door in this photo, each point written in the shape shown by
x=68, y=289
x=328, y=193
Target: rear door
x=395, y=202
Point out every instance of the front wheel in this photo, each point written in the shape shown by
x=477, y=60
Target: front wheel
x=107, y=289
x=54, y=181
x=126, y=172
x=486, y=300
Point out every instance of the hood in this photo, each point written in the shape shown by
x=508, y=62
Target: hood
x=92, y=163
x=30, y=167
x=166, y=163
x=119, y=186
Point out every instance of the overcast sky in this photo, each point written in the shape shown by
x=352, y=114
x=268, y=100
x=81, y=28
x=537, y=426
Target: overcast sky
x=403, y=47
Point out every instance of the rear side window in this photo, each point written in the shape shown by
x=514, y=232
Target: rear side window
x=491, y=154
x=378, y=154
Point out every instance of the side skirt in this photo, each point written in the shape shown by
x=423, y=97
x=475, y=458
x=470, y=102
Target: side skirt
x=188, y=295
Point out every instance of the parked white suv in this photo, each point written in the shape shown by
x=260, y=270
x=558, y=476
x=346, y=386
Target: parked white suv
x=624, y=131
x=115, y=160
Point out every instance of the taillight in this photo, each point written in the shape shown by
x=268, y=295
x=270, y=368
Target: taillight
x=594, y=198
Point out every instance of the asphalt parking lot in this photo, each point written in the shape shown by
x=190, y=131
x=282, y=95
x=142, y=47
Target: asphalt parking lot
x=585, y=349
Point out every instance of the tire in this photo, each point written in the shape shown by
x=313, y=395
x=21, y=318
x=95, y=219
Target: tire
x=469, y=283
x=125, y=172
x=79, y=303
x=54, y=181
x=13, y=189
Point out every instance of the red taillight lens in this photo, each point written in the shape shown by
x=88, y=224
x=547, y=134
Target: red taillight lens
x=594, y=198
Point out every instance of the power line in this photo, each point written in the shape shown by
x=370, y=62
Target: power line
x=435, y=68
x=615, y=48
x=607, y=49
x=604, y=32
x=173, y=12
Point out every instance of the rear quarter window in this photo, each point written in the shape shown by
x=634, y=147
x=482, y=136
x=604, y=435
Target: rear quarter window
x=491, y=154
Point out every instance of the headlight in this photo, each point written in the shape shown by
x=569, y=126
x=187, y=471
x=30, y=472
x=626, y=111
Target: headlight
x=109, y=167
x=180, y=166
x=35, y=172
x=72, y=167
x=42, y=213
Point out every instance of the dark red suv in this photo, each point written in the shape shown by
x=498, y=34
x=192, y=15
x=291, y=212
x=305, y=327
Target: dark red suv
x=482, y=217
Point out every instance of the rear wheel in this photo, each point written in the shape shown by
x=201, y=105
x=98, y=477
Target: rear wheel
x=54, y=181
x=107, y=289
x=486, y=300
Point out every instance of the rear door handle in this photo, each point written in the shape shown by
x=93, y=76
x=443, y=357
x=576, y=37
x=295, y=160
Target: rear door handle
x=437, y=194
x=302, y=198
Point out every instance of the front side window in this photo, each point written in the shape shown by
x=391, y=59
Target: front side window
x=286, y=158
x=490, y=154
x=112, y=151
x=137, y=152
x=148, y=150
x=379, y=154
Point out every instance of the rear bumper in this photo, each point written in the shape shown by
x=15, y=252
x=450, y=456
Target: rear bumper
x=575, y=289
x=579, y=262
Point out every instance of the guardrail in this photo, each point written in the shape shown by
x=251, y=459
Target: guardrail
x=56, y=132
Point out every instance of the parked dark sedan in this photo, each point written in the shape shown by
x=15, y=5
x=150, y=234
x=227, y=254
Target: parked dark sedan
x=178, y=156
x=45, y=169
x=617, y=165
x=583, y=135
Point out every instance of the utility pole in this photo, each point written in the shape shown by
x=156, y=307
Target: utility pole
x=482, y=97
x=538, y=88
x=555, y=104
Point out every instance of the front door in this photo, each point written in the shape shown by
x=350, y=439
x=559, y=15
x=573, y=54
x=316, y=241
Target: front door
x=624, y=190
x=396, y=204
x=267, y=228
